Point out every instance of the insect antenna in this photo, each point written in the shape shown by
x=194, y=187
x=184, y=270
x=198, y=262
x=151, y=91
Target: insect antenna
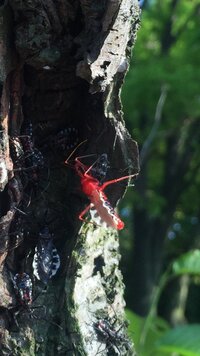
x=20, y=211
x=86, y=156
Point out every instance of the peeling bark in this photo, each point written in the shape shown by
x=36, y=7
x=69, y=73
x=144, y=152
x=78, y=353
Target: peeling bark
x=62, y=66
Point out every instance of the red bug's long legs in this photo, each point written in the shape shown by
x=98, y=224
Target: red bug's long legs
x=116, y=180
x=77, y=159
x=84, y=212
x=81, y=164
x=89, y=168
x=71, y=154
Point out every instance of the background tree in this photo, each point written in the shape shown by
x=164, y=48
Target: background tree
x=62, y=65
x=161, y=104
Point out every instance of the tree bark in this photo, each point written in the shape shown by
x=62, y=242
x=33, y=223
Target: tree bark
x=62, y=66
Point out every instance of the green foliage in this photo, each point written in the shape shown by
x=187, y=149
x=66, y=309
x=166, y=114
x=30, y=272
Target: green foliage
x=152, y=335
x=188, y=263
x=153, y=66
x=166, y=55
x=157, y=329
x=184, y=340
x=162, y=341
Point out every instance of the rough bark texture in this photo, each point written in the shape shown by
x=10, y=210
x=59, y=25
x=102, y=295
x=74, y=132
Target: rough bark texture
x=62, y=66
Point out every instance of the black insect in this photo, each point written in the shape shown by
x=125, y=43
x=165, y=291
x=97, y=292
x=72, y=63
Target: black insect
x=100, y=167
x=26, y=157
x=66, y=139
x=23, y=288
x=46, y=260
x=112, y=337
x=62, y=140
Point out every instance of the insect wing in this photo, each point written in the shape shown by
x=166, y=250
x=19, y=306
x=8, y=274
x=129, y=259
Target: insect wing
x=104, y=209
x=46, y=261
x=66, y=139
x=55, y=262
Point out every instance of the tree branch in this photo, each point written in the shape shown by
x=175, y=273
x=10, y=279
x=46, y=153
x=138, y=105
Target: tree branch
x=157, y=120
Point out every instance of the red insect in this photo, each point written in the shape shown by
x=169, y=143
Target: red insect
x=95, y=192
x=23, y=287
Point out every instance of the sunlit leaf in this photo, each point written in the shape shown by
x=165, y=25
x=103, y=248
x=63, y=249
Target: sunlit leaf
x=188, y=263
x=185, y=340
x=157, y=328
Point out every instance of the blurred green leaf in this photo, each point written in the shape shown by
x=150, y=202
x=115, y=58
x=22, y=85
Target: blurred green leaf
x=158, y=327
x=135, y=326
x=175, y=144
x=189, y=263
x=185, y=340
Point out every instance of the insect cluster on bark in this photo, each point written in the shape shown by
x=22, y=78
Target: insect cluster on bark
x=28, y=167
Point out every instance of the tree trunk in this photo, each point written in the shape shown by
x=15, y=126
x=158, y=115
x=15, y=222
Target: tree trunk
x=62, y=66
